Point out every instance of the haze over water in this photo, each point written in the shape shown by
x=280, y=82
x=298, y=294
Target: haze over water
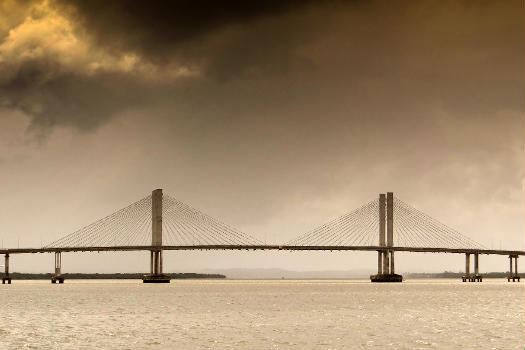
x=277, y=314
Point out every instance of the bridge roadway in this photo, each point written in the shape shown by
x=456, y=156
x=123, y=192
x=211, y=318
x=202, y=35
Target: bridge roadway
x=261, y=247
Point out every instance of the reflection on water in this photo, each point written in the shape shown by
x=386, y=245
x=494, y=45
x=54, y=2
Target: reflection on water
x=442, y=314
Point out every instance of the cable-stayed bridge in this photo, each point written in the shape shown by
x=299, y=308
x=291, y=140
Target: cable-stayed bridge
x=158, y=222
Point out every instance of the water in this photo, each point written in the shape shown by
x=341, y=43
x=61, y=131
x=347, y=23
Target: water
x=237, y=314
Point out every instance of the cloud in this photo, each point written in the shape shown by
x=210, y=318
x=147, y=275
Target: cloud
x=158, y=30
x=52, y=72
x=80, y=63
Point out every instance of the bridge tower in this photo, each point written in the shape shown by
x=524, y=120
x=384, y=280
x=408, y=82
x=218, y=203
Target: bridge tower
x=382, y=257
x=156, y=275
x=385, y=257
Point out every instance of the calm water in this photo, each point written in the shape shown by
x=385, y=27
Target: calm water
x=263, y=314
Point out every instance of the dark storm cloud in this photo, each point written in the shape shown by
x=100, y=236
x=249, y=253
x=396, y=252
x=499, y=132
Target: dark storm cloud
x=157, y=28
x=223, y=39
x=376, y=60
x=163, y=36
x=69, y=99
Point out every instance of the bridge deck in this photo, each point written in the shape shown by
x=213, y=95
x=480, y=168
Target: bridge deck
x=262, y=247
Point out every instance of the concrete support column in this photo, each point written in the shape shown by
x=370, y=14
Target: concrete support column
x=516, y=265
x=58, y=264
x=379, y=262
x=468, y=277
x=510, y=265
x=160, y=262
x=386, y=263
x=155, y=262
x=477, y=276
x=392, y=270
x=151, y=262
x=6, y=277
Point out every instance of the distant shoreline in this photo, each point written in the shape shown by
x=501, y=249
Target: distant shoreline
x=110, y=276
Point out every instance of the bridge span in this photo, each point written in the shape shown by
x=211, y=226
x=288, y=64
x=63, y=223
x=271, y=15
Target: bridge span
x=368, y=228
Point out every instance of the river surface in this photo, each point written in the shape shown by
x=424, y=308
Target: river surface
x=243, y=314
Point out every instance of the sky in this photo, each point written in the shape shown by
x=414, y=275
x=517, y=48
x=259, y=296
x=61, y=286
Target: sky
x=274, y=117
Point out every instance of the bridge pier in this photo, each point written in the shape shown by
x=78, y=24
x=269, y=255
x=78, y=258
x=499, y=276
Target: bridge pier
x=156, y=275
x=385, y=271
x=513, y=276
x=6, y=277
x=475, y=277
x=57, y=277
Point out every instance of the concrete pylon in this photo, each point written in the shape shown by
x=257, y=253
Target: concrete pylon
x=156, y=275
x=390, y=228
x=385, y=258
x=382, y=261
x=156, y=217
x=390, y=218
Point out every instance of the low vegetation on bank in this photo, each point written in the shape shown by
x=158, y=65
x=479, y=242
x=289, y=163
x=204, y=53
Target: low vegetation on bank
x=112, y=276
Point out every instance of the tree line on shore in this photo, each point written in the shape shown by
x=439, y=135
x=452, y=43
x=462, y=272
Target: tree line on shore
x=42, y=276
